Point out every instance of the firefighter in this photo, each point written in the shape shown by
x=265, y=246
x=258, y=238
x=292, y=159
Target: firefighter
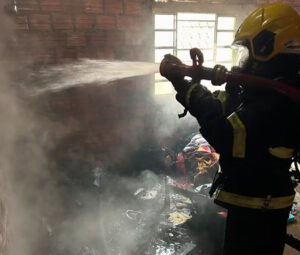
x=254, y=130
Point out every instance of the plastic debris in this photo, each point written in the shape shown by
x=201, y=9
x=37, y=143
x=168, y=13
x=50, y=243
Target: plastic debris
x=295, y=209
x=178, y=218
x=138, y=191
x=224, y=214
x=180, y=198
x=181, y=205
x=204, y=189
x=133, y=215
x=182, y=184
x=291, y=218
x=147, y=194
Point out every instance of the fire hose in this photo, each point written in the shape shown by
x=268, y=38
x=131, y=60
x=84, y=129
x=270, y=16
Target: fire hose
x=172, y=66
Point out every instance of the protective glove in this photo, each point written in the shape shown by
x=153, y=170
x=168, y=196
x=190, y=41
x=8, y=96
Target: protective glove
x=219, y=75
x=182, y=88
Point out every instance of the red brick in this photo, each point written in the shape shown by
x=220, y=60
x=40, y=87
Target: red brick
x=75, y=6
x=103, y=96
x=115, y=37
x=133, y=38
x=124, y=22
x=44, y=56
x=62, y=21
x=141, y=111
x=28, y=5
x=108, y=113
x=142, y=23
x=51, y=5
x=58, y=101
x=38, y=55
x=106, y=126
x=105, y=22
x=53, y=40
x=124, y=52
x=84, y=22
x=113, y=6
x=28, y=39
x=21, y=23
x=87, y=52
x=129, y=137
x=107, y=140
x=98, y=38
x=76, y=39
x=94, y=6
x=133, y=7
x=40, y=22
x=106, y=53
x=142, y=55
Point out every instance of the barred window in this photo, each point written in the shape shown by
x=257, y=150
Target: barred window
x=177, y=33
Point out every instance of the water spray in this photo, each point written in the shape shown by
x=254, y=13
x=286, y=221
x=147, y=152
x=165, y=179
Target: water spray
x=83, y=72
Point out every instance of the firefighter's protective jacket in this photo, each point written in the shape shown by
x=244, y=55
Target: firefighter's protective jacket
x=256, y=135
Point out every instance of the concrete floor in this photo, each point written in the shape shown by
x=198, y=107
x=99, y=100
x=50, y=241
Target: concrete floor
x=294, y=228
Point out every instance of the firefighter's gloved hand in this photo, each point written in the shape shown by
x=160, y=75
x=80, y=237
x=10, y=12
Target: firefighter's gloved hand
x=191, y=91
x=219, y=75
x=182, y=88
x=180, y=85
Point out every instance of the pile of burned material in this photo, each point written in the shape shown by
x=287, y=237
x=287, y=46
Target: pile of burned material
x=164, y=217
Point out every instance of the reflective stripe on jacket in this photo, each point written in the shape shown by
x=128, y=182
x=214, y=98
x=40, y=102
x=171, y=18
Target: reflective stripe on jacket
x=254, y=202
x=282, y=152
x=239, y=136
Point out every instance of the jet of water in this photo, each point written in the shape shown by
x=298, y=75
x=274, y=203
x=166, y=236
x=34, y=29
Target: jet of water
x=83, y=72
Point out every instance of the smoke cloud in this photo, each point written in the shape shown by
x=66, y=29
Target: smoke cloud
x=71, y=208
x=28, y=194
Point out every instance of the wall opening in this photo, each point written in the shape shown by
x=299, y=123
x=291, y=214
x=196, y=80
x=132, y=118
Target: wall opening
x=176, y=33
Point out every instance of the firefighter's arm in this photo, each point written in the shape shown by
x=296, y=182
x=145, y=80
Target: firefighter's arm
x=199, y=101
x=208, y=109
x=251, y=125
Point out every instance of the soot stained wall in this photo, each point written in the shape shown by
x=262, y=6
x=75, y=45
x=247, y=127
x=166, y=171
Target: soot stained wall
x=101, y=120
x=109, y=120
x=69, y=29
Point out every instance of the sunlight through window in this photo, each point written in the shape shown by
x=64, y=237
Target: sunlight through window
x=179, y=32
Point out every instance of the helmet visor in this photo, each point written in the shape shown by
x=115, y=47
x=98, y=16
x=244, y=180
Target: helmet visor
x=240, y=55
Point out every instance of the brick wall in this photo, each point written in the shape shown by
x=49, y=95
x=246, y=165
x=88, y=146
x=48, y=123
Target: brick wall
x=101, y=120
x=107, y=121
x=68, y=29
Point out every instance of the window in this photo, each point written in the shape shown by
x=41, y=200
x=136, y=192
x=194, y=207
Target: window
x=177, y=33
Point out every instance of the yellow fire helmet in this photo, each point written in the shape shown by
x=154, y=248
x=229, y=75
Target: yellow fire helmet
x=270, y=30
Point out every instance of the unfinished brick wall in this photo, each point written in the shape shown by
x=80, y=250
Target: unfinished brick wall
x=294, y=3
x=70, y=29
x=102, y=120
